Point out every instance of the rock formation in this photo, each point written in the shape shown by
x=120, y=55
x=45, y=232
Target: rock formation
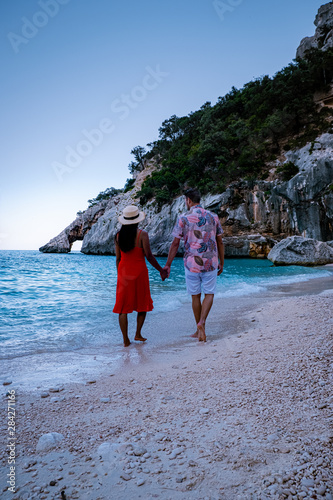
x=254, y=214
x=323, y=37
x=300, y=251
x=75, y=231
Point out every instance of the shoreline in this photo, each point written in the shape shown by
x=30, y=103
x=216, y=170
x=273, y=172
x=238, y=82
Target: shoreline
x=250, y=412
x=85, y=363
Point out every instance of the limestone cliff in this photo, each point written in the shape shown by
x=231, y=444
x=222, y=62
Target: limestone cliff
x=254, y=215
x=323, y=37
x=75, y=231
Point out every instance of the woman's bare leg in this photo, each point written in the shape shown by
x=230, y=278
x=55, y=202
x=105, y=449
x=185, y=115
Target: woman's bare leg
x=139, y=324
x=123, y=323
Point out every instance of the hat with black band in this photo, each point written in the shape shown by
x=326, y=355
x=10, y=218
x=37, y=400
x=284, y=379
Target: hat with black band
x=131, y=215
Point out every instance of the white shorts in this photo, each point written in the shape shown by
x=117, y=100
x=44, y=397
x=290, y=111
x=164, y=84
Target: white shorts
x=197, y=282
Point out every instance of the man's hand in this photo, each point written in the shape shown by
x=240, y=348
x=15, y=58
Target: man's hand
x=219, y=269
x=167, y=269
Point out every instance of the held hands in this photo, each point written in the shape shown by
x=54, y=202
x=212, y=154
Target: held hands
x=167, y=269
x=164, y=274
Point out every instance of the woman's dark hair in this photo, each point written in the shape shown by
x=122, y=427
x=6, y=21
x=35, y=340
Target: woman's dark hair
x=127, y=236
x=193, y=194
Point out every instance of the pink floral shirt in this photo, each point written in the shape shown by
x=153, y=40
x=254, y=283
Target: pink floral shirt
x=199, y=229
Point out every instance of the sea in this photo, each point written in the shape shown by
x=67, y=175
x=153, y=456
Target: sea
x=63, y=302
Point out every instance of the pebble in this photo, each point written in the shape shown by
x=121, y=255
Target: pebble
x=44, y=395
x=141, y=482
x=49, y=441
x=105, y=400
x=272, y=437
x=204, y=411
x=309, y=483
x=321, y=490
x=7, y=382
x=174, y=454
x=125, y=477
x=139, y=451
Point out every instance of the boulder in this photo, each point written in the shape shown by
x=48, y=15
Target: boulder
x=111, y=452
x=299, y=251
x=253, y=245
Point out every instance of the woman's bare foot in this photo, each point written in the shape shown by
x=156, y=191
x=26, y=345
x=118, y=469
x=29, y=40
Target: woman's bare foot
x=201, y=333
x=195, y=335
x=139, y=337
x=127, y=343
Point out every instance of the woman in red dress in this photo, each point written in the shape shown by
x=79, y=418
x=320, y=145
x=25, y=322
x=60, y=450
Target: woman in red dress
x=133, y=293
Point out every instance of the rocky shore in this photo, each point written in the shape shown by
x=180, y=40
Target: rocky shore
x=246, y=416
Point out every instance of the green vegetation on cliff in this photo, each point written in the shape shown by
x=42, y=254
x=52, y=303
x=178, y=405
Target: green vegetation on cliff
x=241, y=133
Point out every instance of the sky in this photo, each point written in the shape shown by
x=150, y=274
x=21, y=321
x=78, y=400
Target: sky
x=85, y=81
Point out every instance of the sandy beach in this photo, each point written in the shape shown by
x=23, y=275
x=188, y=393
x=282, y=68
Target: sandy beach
x=247, y=415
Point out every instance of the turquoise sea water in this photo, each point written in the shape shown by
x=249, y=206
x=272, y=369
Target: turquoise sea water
x=62, y=302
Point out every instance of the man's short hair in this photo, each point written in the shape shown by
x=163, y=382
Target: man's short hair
x=193, y=194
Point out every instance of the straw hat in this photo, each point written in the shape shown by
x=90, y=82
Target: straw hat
x=131, y=215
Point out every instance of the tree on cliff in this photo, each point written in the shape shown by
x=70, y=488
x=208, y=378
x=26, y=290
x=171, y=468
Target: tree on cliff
x=139, y=154
x=244, y=131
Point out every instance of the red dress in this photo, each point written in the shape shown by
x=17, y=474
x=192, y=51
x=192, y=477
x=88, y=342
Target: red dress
x=133, y=293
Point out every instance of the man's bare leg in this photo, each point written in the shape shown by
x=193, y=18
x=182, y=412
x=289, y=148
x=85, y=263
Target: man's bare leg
x=123, y=323
x=196, y=307
x=139, y=324
x=205, y=308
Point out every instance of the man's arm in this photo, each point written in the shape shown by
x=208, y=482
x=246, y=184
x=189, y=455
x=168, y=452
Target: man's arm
x=172, y=254
x=220, y=251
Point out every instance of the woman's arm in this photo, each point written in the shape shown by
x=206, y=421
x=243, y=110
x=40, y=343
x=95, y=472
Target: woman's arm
x=118, y=254
x=149, y=256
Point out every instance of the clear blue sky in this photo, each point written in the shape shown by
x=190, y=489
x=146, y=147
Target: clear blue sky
x=73, y=66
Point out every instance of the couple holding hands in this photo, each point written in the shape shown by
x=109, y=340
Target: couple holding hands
x=203, y=260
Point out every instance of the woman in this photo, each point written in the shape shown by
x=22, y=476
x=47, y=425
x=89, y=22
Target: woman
x=133, y=293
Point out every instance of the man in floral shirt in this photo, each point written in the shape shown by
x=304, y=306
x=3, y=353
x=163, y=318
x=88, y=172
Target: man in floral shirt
x=203, y=248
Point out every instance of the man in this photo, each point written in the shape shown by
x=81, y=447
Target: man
x=203, y=256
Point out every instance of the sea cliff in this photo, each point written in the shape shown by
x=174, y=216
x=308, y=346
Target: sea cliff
x=254, y=214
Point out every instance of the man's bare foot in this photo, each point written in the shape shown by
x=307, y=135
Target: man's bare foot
x=195, y=335
x=127, y=343
x=139, y=337
x=201, y=333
